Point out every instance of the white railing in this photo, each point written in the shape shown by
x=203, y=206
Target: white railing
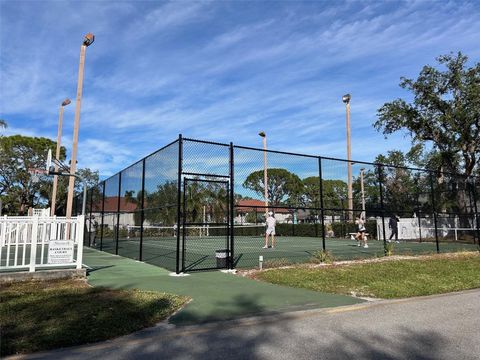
x=30, y=242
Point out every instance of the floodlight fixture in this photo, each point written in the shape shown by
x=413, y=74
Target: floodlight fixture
x=89, y=39
x=262, y=134
x=346, y=98
x=66, y=102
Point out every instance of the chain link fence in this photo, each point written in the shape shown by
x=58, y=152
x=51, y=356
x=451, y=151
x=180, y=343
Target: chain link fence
x=196, y=205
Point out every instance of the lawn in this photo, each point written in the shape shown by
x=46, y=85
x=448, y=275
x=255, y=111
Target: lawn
x=41, y=315
x=388, y=279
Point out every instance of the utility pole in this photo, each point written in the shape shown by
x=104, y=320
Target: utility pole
x=87, y=41
x=265, y=174
x=57, y=155
x=346, y=99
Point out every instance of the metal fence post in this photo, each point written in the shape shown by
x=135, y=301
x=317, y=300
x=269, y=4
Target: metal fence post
x=434, y=212
x=142, y=211
x=321, y=202
x=232, y=208
x=118, y=212
x=184, y=221
x=103, y=212
x=382, y=207
x=179, y=197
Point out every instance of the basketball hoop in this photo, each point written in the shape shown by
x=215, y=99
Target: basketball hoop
x=36, y=173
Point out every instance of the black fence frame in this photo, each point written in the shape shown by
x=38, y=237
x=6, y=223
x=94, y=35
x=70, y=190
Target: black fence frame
x=471, y=183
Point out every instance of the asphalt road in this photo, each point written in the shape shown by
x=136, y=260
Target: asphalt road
x=436, y=327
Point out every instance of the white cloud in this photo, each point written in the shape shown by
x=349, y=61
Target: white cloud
x=219, y=72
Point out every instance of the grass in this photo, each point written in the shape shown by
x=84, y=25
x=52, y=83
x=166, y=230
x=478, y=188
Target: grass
x=40, y=315
x=388, y=279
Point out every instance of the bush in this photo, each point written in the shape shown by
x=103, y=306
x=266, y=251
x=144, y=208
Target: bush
x=322, y=256
x=304, y=230
x=389, y=248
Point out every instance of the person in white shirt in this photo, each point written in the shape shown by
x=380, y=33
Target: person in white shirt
x=360, y=237
x=271, y=222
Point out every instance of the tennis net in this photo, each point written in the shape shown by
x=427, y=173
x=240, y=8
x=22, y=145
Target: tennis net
x=206, y=231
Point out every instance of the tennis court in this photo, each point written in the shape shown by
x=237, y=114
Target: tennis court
x=202, y=244
x=315, y=201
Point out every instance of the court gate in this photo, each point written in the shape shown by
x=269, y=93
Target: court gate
x=206, y=197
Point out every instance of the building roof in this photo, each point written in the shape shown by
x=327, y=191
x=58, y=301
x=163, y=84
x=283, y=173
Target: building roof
x=111, y=205
x=248, y=205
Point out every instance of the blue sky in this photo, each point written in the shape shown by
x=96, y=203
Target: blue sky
x=220, y=71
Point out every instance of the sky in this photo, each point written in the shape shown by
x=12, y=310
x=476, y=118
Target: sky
x=220, y=71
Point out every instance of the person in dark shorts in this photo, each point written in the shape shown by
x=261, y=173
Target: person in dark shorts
x=393, y=225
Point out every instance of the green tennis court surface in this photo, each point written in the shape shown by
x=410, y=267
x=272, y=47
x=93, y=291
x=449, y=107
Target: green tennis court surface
x=215, y=295
x=200, y=251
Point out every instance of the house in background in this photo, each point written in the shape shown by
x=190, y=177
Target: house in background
x=252, y=211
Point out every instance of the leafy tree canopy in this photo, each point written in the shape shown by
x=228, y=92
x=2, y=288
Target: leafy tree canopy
x=18, y=192
x=283, y=186
x=444, y=117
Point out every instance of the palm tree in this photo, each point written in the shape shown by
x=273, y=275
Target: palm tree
x=3, y=124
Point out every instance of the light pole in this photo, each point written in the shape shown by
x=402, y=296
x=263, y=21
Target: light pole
x=346, y=99
x=265, y=175
x=363, y=193
x=57, y=155
x=87, y=41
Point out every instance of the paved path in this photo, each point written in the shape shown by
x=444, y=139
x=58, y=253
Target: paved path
x=435, y=327
x=216, y=296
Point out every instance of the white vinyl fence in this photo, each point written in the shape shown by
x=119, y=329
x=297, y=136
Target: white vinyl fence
x=30, y=242
x=414, y=228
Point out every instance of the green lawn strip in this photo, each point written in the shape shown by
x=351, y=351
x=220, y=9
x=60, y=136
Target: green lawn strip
x=42, y=315
x=388, y=280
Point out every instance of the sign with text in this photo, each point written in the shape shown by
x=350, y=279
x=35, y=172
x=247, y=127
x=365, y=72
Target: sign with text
x=60, y=251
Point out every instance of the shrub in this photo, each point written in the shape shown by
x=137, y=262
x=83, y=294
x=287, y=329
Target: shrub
x=322, y=256
x=389, y=248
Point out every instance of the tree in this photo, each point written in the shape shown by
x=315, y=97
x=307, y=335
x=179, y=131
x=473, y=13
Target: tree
x=161, y=205
x=311, y=191
x=283, y=187
x=444, y=114
x=335, y=194
x=17, y=190
x=207, y=198
x=18, y=154
x=405, y=190
x=3, y=124
x=91, y=178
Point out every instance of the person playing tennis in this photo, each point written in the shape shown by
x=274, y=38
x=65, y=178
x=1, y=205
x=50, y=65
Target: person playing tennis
x=271, y=222
x=360, y=237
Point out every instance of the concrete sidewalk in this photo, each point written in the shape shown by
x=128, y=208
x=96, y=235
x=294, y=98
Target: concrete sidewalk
x=216, y=296
x=433, y=327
